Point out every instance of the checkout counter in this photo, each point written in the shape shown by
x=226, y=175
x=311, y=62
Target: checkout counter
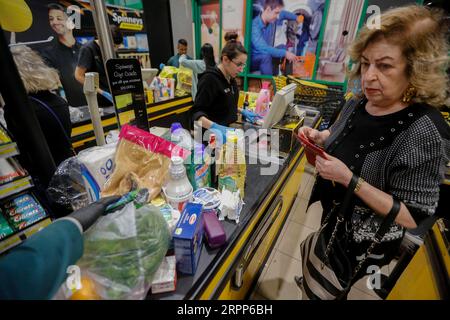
x=231, y=271
x=427, y=276
x=159, y=114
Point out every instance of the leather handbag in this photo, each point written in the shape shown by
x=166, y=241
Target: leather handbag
x=327, y=269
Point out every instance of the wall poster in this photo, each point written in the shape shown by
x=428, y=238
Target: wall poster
x=210, y=26
x=284, y=39
x=341, y=29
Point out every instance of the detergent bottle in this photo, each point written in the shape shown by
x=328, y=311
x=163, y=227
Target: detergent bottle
x=263, y=100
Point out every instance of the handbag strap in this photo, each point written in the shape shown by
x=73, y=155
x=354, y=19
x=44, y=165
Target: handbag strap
x=341, y=214
x=56, y=118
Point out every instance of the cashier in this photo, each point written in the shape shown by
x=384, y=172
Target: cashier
x=215, y=106
x=36, y=268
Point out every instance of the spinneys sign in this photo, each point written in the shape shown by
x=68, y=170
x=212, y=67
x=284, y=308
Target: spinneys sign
x=125, y=21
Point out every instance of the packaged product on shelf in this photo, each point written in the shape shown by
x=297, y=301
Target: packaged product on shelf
x=187, y=238
x=4, y=137
x=19, y=201
x=10, y=169
x=163, y=88
x=184, y=79
x=97, y=164
x=168, y=72
x=5, y=229
x=165, y=279
x=23, y=211
x=141, y=161
x=123, y=250
x=232, y=168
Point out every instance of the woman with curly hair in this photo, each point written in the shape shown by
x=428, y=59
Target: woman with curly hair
x=389, y=146
x=52, y=111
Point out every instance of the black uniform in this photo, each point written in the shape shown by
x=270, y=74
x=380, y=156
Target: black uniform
x=91, y=59
x=55, y=123
x=216, y=98
x=65, y=59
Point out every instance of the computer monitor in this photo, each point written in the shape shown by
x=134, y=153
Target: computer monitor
x=147, y=75
x=280, y=102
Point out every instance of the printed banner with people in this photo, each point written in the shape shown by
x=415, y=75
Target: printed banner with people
x=57, y=30
x=285, y=36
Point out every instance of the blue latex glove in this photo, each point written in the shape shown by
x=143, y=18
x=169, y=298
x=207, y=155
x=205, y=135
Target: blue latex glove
x=250, y=116
x=220, y=130
x=161, y=66
x=107, y=95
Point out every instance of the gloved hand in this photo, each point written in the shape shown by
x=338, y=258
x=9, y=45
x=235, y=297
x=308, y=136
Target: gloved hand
x=250, y=116
x=107, y=95
x=161, y=66
x=88, y=215
x=220, y=131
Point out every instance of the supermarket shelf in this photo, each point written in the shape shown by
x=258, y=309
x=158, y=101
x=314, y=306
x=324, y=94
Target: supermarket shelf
x=18, y=237
x=8, y=150
x=15, y=186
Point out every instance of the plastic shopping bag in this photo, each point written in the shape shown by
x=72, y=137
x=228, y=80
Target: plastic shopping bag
x=123, y=251
x=141, y=161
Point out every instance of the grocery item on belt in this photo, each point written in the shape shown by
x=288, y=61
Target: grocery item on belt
x=141, y=161
x=209, y=197
x=214, y=232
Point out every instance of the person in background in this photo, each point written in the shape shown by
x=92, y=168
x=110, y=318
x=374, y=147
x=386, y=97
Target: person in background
x=182, y=47
x=91, y=61
x=215, y=106
x=206, y=61
x=390, y=143
x=37, y=267
x=230, y=35
x=63, y=53
x=52, y=111
x=263, y=33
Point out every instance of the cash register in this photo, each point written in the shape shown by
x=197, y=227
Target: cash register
x=281, y=122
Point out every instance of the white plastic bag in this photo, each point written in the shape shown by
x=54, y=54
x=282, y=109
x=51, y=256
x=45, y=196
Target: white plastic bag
x=123, y=251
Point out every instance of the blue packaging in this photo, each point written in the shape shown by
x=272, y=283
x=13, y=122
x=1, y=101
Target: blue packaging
x=187, y=238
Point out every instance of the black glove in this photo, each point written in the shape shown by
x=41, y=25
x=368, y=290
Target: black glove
x=88, y=215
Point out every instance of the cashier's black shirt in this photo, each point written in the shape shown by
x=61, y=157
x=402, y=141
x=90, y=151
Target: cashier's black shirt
x=65, y=59
x=91, y=59
x=216, y=98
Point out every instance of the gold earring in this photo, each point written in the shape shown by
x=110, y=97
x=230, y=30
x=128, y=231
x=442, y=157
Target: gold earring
x=409, y=94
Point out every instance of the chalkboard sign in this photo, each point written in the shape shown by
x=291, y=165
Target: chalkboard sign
x=125, y=80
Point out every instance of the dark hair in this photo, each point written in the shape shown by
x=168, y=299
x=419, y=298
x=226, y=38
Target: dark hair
x=273, y=4
x=232, y=49
x=231, y=35
x=183, y=42
x=56, y=6
x=207, y=54
x=116, y=34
